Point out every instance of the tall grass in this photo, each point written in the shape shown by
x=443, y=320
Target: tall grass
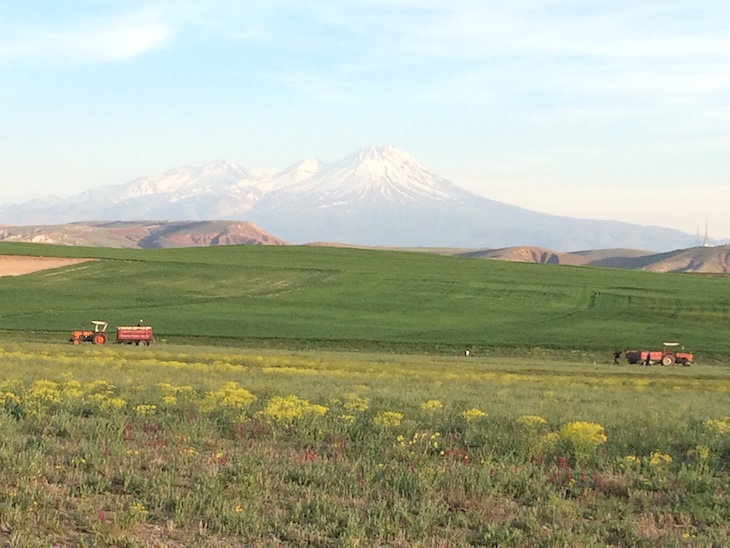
x=206, y=446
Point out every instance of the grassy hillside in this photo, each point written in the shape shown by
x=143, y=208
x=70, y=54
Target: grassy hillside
x=364, y=299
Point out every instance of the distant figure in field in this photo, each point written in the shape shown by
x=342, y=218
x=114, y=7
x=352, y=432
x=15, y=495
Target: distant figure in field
x=140, y=323
x=616, y=356
x=648, y=358
x=467, y=353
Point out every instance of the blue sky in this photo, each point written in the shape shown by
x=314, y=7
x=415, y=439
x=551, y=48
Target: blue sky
x=603, y=109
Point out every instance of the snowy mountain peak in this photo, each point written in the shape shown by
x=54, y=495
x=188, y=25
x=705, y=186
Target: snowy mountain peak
x=376, y=160
x=386, y=164
x=372, y=175
x=214, y=176
x=381, y=153
x=303, y=170
x=225, y=168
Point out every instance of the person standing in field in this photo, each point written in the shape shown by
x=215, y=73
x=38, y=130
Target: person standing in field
x=616, y=356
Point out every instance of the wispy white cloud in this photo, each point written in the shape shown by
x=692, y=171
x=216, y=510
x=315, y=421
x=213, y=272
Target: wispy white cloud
x=651, y=50
x=97, y=39
x=598, y=29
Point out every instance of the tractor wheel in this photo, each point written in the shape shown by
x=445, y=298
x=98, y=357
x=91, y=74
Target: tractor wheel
x=686, y=363
x=99, y=338
x=668, y=360
x=143, y=343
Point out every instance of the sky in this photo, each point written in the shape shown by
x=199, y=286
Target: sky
x=608, y=109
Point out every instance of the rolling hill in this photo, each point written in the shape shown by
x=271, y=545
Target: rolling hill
x=700, y=260
x=354, y=299
x=131, y=234
x=142, y=234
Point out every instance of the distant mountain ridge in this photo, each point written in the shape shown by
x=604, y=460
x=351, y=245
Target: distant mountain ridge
x=136, y=234
x=699, y=260
x=377, y=196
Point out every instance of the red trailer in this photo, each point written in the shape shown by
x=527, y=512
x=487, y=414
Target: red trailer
x=140, y=335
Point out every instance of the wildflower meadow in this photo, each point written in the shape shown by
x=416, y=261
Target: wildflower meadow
x=204, y=446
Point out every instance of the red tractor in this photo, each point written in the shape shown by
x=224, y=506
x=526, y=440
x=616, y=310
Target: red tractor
x=668, y=355
x=97, y=336
x=139, y=335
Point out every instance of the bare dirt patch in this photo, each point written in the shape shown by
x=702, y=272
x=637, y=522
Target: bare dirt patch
x=17, y=265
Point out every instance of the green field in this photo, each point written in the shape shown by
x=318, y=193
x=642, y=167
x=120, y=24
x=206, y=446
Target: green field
x=349, y=299
x=319, y=396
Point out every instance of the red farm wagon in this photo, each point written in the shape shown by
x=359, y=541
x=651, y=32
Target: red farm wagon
x=139, y=335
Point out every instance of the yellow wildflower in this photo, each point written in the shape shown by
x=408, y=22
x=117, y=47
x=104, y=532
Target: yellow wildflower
x=290, y=408
x=548, y=441
x=473, y=414
x=8, y=397
x=388, y=419
x=114, y=403
x=99, y=387
x=353, y=402
x=72, y=390
x=137, y=509
x=145, y=409
x=431, y=406
x=531, y=421
x=581, y=432
x=703, y=452
x=43, y=391
x=584, y=437
x=658, y=459
x=717, y=426
x=230, y=395
x=629, y=462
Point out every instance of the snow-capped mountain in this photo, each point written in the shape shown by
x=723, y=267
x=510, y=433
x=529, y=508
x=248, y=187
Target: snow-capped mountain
x=375, y=196
x=366, y=177
x=186, y=181
x=216, y=190
x=382, y=196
